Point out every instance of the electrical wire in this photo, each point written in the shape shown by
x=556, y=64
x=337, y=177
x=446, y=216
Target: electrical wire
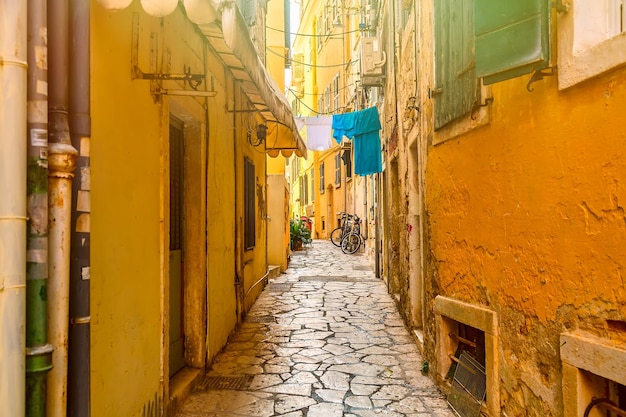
x=295, y=92
x=314, y=36
x=352, y=62
x=315, y=111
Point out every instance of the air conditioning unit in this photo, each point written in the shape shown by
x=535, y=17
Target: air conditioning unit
x=373, y=60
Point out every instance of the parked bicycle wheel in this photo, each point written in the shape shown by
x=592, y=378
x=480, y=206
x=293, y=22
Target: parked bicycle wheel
x=336, y=235
x=351, y=243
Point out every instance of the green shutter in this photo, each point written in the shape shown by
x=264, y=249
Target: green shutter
x=456, y=87
x=512, y=38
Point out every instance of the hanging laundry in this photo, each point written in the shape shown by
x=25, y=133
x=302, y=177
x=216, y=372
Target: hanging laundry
x=344, y=125
x=367, y=150
x=318, y=133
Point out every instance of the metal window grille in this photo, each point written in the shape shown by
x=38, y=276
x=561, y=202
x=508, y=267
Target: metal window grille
x=249, y=204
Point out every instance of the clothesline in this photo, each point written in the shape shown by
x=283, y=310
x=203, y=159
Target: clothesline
x=362, y=127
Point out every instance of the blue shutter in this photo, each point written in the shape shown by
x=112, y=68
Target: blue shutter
x=512, y=38
x=456, y=86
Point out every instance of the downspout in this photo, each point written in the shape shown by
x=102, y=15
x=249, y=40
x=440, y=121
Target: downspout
x=13, y=14
x=62, y=161
x=38, y=351
x=78, y=392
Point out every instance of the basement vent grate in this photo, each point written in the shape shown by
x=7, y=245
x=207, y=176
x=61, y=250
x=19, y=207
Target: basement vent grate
x=468, y=388
x=238, y=383
x=282, y=287
x=260, y=319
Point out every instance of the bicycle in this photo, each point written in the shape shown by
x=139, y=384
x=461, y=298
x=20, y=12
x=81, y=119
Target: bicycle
x=353, y=240
x=338, y=233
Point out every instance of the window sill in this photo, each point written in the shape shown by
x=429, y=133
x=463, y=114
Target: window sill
x=575, y=67
x=462, y=126
x=468, y=122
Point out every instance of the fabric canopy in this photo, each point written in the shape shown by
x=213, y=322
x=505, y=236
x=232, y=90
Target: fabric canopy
x=226, y=31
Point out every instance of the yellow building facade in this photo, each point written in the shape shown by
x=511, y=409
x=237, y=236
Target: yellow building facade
x=179, y=198
x=325, y=81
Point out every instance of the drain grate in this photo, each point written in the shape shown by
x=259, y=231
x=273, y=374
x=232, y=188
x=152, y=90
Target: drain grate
x=260, y=319
x=327, y=278
x=282, y=287
x=226, y=382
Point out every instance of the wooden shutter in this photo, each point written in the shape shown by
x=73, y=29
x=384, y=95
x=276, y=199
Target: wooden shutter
x=456, y=85
x=297, y=68
x=512, y=38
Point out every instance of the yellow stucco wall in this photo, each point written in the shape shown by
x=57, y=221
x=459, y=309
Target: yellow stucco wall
x=130, y=222
x=526, y=217
x=221, y=232
x=126, y=245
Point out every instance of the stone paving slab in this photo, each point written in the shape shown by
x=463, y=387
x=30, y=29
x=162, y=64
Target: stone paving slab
x=324, y=339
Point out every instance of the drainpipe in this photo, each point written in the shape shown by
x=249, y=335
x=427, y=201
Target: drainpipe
x=38, y=351
x=62, y=161
x=78, y=395
x=13, y=14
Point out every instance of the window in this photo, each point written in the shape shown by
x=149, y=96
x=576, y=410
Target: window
x=322, y=178
x=319, y=31
x=336, y=12
x=304, y=190
x=327, y=99
x=456, y=86
x=591, y=39
x=594, y=368
x=249, y=194
x=312, y=185
x=336, y=93
x=337, y=169
x=346, y=156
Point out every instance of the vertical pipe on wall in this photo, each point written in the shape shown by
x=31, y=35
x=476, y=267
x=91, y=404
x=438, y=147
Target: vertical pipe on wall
x=78, y=394
x=62, y=161
x=38, y=351
x=13, y=15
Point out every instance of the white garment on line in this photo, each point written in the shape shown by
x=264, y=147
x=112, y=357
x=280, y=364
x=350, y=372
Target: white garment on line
x=318, y=131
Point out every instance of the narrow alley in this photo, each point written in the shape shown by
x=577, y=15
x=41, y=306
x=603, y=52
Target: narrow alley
x=323, y=339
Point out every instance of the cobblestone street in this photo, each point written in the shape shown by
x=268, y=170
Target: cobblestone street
x=323, y=340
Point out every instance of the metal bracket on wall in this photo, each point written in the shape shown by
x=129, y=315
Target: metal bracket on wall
x=478, y=105
x=539, y=75
x=193, y=80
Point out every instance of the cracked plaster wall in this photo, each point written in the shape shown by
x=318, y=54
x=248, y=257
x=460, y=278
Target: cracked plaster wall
x=526, y=217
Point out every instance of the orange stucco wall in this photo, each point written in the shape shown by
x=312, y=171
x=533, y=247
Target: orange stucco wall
x=526, y=217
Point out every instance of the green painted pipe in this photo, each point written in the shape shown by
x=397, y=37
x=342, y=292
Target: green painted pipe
x=38, y=351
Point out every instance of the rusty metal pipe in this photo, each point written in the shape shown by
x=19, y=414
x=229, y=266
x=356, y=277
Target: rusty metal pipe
x=78, y=393
x=13, y=15
x=62, y=162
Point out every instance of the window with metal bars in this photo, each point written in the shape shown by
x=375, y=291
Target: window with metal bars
x=249, y=198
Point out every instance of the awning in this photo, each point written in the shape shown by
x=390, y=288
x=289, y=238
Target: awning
x=234, y=46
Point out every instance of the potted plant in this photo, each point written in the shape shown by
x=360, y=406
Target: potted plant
x=299, y=234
